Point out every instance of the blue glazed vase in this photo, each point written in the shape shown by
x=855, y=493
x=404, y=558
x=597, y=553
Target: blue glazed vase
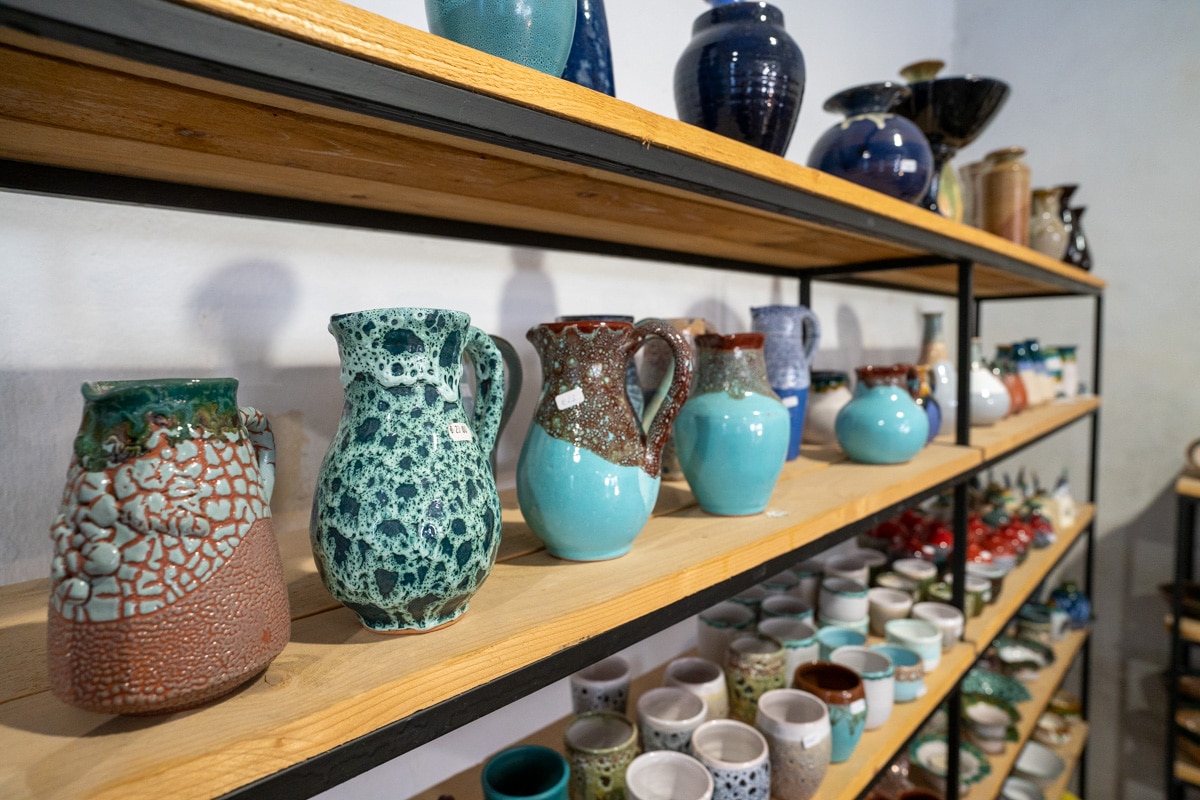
x=536, y=33
x=882, y=424
x=742, y=75
x=792, y=335
x=732, y=434
x=873, y=147
x=406, y=518
x=590, y=61
x=588, y=478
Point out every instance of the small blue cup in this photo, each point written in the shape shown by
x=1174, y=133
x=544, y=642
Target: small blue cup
x=832, y=637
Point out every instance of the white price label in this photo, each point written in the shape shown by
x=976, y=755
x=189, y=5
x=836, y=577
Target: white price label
x=921, y=690
x=858, y=706
x=569, y=399
x=460, y=432
x=908, y=165
x=812, y=740
x=791, y=401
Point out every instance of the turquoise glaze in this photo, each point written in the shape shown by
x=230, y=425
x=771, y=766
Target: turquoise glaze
x=882, y=424
x=732, y=434
x=536, y=33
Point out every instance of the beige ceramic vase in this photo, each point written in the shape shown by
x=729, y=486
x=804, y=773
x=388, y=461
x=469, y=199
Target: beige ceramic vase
x=1047, y=231
x=1005, y=189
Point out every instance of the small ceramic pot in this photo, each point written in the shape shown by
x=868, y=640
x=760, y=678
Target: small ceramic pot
x=786, y=605
x=604, y=686
x=600, y=747
x=861, y=626
x=719, y=625
x=882, y=424
x=885, y=605
x=1039, y=764
x=703, y=678
x=799, y=640
x=753, y=664
x=737, y=757
x=841, y=689
x=879, y=680
x=991, y=573
x=800, y=739
x=848, y=565
x=910, y=671
x=946, y=618
x=667, y=716
x=987, y=725
x=916, y=569
x=526, y=772
x=751, y=597
x=1034, y=622
x=919, y=636
x=832, y=637
x=809, y=575
x=664, y=773
x=827, y=394
x=876, y=561
x=843, y=599
x=781, y=582
x=894, y=580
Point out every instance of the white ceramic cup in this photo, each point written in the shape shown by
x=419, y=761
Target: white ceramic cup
x=719, y=625
x=703, y=678
x=923, y=572
x=737, y=756
x=943, y=616
x=922, y=637
x=799, y=639
x=604, y=686
x=878, y=677
x=667, y=775
x=781, y=582
x=843, y=599
x=876, y=561
x=796, y=727
x=786, y=605
x=848, y=565
x=809, y=576
x=887, y=604
x=667, y=716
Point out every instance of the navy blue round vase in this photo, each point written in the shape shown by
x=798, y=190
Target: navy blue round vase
x=590, y=61
x=873, y=147
x=742, y=76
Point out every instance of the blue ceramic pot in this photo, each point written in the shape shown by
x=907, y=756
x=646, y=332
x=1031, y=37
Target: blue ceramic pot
x=742, y=76
x=792, y=335
x=875, y=148
x=732, y=434
x=536, y=33
x=590, y=61
x=526, y=772
x=1070, y=599
x=882, y=424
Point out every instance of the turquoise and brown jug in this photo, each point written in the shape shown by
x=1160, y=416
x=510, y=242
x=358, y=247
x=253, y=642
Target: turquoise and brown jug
x=406, y=519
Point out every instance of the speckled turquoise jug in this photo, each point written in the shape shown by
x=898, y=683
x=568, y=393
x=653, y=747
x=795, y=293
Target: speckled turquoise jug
x=406, y=519
x=588, y=477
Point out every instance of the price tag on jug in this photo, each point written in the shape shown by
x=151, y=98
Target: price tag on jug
x=569, y=399
x=460, y=432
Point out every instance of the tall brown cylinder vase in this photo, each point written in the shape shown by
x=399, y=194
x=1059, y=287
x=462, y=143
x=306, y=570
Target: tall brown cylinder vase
x=1005, y=189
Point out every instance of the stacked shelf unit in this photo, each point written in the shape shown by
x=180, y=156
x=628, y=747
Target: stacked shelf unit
x=311, y=110
x=1185, y=631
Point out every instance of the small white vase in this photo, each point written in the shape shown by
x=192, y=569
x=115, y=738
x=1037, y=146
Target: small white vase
x=990, y=400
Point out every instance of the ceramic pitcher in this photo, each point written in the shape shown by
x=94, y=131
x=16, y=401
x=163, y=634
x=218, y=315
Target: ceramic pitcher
x=167, y=588
x=792, y=335
x=406, y=519
x=588, y=478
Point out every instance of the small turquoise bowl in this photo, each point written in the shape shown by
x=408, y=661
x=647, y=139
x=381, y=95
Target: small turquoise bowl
x=910, y=671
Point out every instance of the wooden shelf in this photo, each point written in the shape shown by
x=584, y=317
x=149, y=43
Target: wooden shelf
x=1042, y=689
x=1187, y=771
x=1012, y=433
x=1188, y=484
x=1189, y=627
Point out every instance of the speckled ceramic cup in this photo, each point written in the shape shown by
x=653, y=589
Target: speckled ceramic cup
x=796, y=727
x=703, y=678
x=799, y=640
x=600, y=747
x=737, y=756
x=753, y=664
x=667, y=716
x=604, y=686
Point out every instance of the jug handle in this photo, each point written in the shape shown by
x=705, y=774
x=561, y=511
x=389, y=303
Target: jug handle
x=263, y=441
x=489, y=363
x=672, y=400
x=810, y=333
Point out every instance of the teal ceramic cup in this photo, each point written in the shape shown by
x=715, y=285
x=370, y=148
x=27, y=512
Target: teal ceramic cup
x=536, y=34
x=910, y=671
x=832, y=637
x=527, y=772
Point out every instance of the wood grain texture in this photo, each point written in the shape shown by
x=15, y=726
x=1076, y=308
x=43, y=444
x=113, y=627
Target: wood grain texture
x=1187, y=771
x=1188, y=484
x=1009, y=434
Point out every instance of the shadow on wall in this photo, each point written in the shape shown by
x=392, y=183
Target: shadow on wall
x=851, y=351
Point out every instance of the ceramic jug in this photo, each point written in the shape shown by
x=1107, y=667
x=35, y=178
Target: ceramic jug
x=792, y=335
x=588, y=478
x=406, y=519
x=990, y=401
x=167, y=588
x=1047, y=231
x=655, y=372
x=882, y=424
x=732, y=434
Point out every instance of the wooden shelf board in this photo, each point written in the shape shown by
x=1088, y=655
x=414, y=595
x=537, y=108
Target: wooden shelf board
x=1019, y=583
x=1189, y=627
x=1009, y=434
x=1070, y=753
x=1042, y=689
x=1187, y=772
x=1188, y=484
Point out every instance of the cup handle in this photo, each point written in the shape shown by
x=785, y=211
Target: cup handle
x=659, y=430
x=810, y=334
x=485, y=356
x=263, y=441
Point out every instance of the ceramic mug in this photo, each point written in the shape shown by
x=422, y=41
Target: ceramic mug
x=879, y=680
x=736, y=756
x=943, y=616
x=910, y=671
x=832, y=637
x=667, y=716
x=667, y=775
x=843, y=599
x=922, y=637
x=754, y=664
x=841, y=689
x=703, y=678
x=526, y=772
x=720, y=625
x=887, y=604
x=800, y=739
x=604, y=686
x=786, y=605
x=799, y=640
x=600, y=746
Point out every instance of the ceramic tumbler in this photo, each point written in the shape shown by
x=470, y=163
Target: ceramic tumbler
x=841, y=689
x=910, y=671
x=799, y=640
x=943, y=616
x=667, y=716
x=848, y=565
x=703, y=678
x=667, y=775
x=799, y=737
x=809, y=574
x=600, y=746
x=785, y=605
x=719, y=625
x=831, y=637
x=917, y=635
x=751, y=597
x=919, y=570
x=604, y=686
x=843, y=600
x=887, y=604
x=879, y=680
x=526, y=772
x=753, y=664
x=781, y=582
x=737, y=756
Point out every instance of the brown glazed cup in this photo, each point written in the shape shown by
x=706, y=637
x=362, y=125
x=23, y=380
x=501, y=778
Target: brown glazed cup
x=842, y=690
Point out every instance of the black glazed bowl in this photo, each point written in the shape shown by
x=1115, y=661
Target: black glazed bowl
x=952, y=112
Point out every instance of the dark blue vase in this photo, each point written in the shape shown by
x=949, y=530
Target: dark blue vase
x=873, y=147
x=742, y=76
x=590, y=61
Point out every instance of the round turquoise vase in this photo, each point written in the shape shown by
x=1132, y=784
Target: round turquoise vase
x=536, y=33
x=588, y=478
x=732, y=434
x=406, y=518
x=882, y=424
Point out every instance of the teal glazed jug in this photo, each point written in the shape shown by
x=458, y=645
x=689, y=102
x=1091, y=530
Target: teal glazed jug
x=732, y=434
x=882, y=424
x=536, y=33
x=588, y=478
x=792, y=335
x=406, y=518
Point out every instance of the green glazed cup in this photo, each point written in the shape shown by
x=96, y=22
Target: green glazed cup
x=527, y=772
